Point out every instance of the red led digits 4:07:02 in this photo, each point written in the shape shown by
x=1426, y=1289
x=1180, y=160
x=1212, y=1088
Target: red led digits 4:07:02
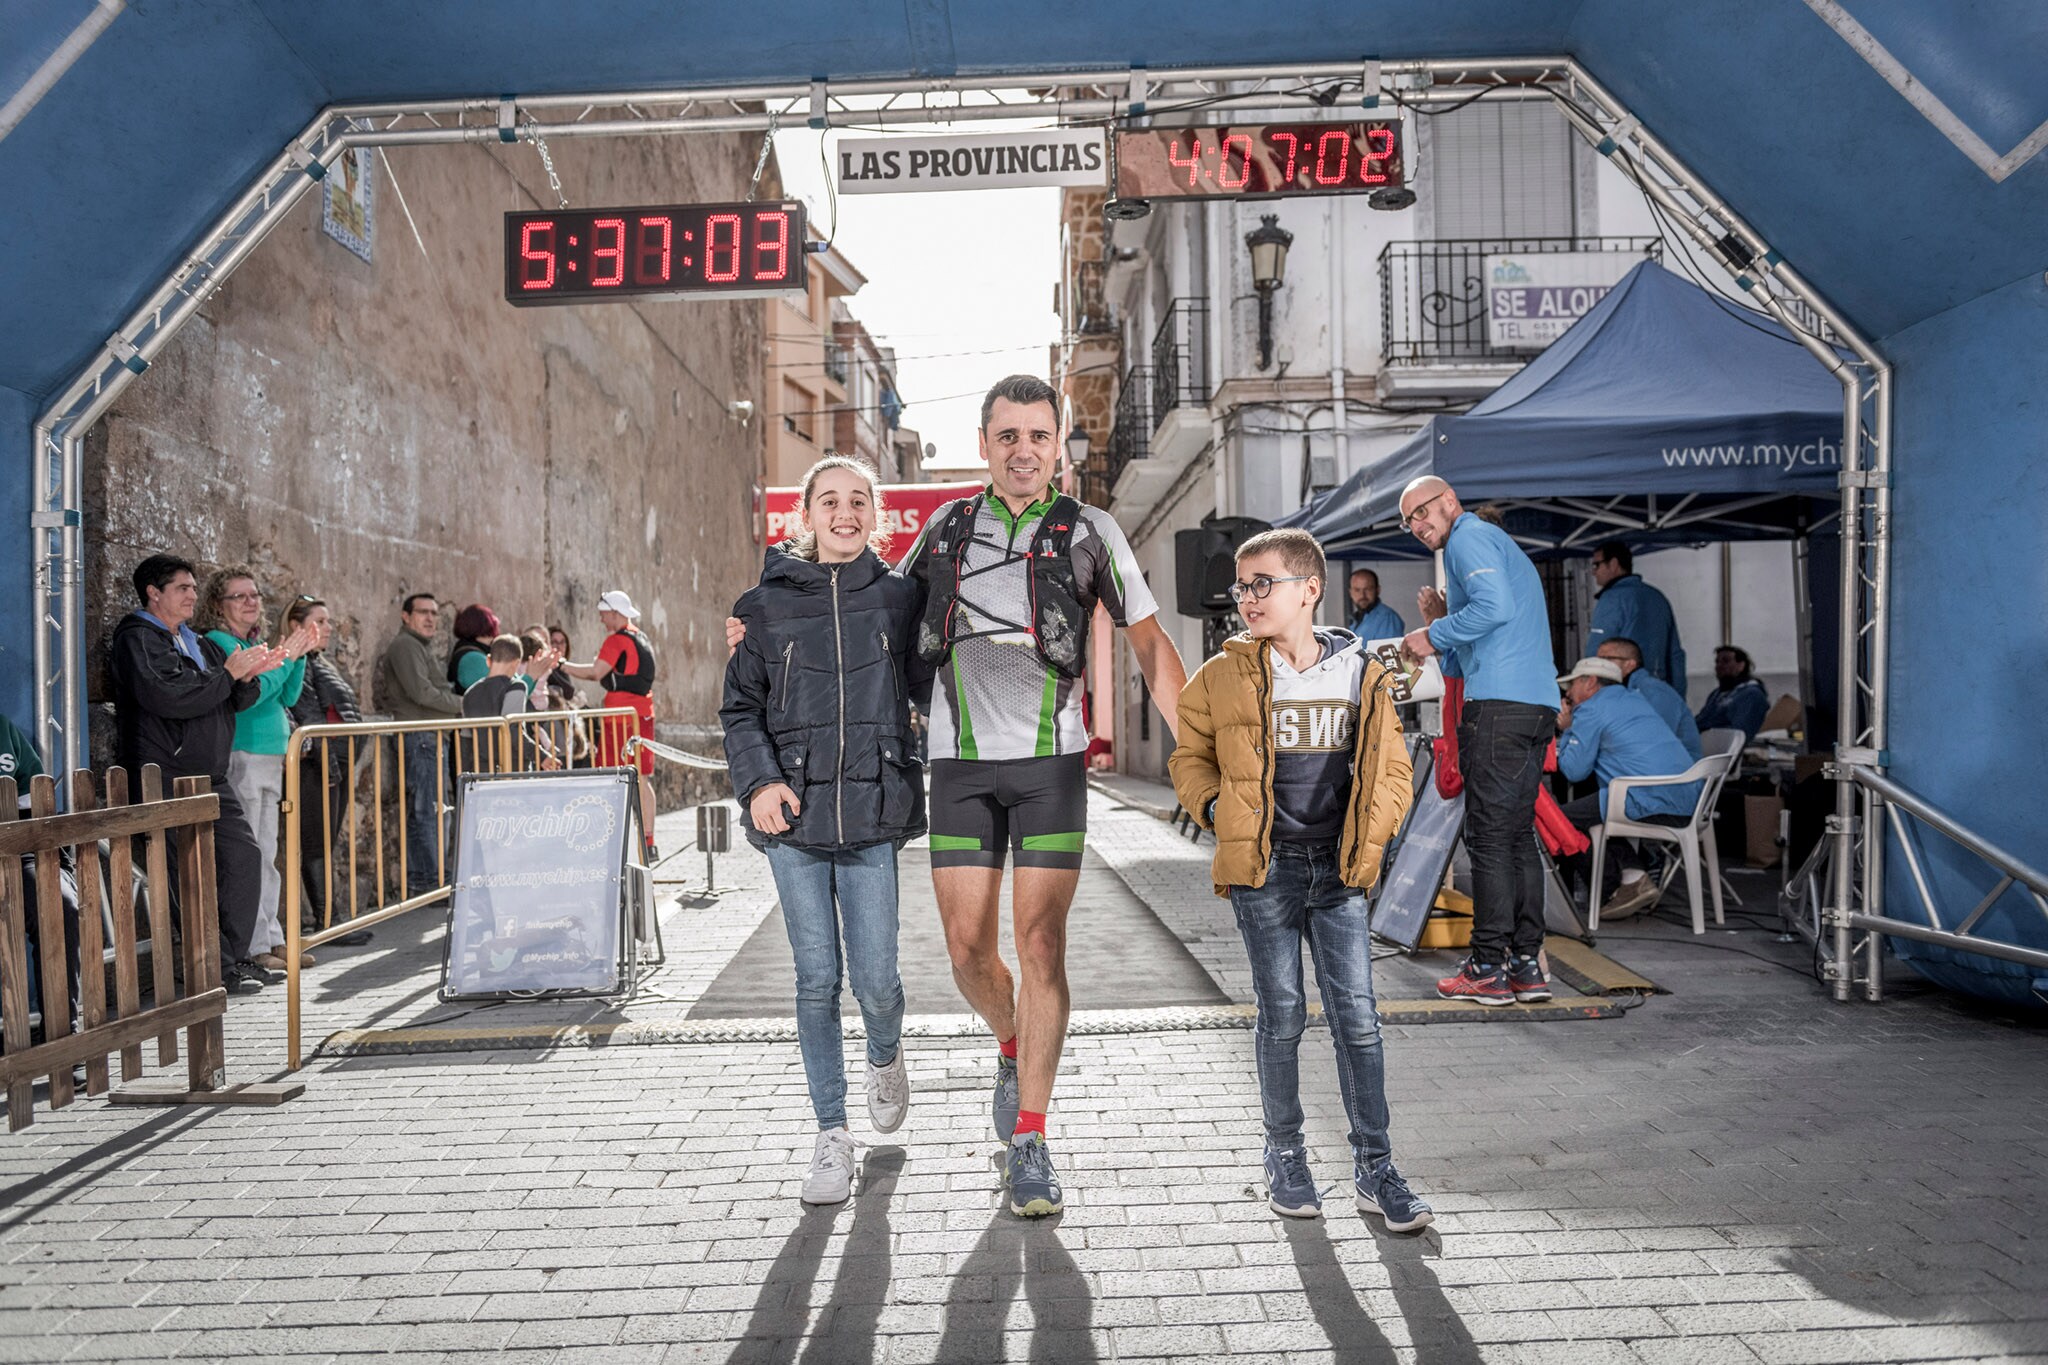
x=1230, y=161
x=589, y=255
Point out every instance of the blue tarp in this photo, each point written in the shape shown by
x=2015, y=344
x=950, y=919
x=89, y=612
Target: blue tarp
x=1666, y=414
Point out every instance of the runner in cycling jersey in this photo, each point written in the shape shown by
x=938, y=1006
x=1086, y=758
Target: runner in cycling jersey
x=1005, y=632
x=1009, y=747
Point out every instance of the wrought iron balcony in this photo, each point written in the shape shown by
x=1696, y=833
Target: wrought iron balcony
x=1180, y=358
x=1433, y=294
x=836, y=361
x=1130, y=438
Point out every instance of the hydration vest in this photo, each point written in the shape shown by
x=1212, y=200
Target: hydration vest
x=640, y=682
x=1059, y=621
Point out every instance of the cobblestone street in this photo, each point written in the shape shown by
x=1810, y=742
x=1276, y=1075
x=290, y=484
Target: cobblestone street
x=1736, y=1171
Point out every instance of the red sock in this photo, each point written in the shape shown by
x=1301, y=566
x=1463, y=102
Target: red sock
x=1028, y=1122
x=1008, y=1049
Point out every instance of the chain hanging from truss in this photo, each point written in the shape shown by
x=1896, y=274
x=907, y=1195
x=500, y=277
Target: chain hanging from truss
x=547, y=162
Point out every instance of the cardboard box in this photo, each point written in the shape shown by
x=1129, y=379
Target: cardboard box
x=1760, y=823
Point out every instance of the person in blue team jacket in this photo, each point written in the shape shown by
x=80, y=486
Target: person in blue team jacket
x=817, y=737
x=1628, y=608
x=1493, y=629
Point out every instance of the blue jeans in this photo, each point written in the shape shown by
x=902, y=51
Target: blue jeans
x=862, y=882
x=1305, y=898
x=422, y=796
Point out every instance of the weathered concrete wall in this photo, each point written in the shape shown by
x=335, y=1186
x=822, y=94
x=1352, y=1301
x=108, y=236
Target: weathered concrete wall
x=361, y=431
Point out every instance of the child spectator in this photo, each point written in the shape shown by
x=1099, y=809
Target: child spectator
x=1290, y=752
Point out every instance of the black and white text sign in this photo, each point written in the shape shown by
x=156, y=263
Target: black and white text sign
x=973, y=161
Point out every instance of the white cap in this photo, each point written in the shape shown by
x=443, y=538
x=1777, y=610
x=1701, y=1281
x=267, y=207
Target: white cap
x=617, y=601
x=1607, y=670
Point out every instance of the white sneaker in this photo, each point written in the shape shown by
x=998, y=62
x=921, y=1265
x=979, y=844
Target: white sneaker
x=830, y=1179
x=889, y=1093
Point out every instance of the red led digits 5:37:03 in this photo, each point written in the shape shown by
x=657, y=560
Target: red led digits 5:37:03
x=587, y=255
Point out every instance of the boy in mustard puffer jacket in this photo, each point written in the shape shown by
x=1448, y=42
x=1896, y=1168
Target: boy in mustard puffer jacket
x=1291, y=754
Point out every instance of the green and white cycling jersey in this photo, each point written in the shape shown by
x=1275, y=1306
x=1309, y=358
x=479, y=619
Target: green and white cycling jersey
x=994, y=698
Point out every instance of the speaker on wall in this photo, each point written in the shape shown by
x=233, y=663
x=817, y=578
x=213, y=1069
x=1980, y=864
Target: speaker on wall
x=1205, y=563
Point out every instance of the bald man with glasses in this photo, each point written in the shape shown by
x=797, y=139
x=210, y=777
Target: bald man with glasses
x=1493, y=630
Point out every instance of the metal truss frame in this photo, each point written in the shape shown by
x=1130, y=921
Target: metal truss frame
x=1066, y=97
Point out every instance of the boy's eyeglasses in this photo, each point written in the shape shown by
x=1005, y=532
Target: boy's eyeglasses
x=1261, y=586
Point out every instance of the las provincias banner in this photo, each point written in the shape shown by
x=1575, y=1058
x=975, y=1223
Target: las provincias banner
x=905, y=509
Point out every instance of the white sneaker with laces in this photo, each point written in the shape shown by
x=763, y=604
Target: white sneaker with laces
x=889, y=1093
x=830, y=1179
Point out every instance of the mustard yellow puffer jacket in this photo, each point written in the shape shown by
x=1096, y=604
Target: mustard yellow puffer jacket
x=1226, y=753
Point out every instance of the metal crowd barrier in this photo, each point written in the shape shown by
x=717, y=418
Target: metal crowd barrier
x=349, y=758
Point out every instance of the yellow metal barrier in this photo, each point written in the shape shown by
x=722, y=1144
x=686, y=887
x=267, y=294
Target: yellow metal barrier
x=339, y=754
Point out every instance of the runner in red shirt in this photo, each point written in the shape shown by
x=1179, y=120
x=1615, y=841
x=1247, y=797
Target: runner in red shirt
x=625, y=667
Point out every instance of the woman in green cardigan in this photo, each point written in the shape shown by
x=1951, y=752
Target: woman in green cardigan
x=232, y=616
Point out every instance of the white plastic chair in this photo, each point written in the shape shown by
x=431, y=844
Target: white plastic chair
x=1693, y=838
x=1723, y=740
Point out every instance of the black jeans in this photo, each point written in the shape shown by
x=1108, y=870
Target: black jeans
x=237, y=871
x=1622, y=854
x=1500, y=751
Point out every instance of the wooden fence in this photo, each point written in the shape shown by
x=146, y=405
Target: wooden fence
x=102, y=838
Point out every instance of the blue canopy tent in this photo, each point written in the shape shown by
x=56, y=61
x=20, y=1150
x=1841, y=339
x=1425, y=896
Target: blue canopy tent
x=1664, y=416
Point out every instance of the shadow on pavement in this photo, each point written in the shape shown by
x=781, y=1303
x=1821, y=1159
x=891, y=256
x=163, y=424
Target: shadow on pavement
x=774, y=1333
x=1433, y=1326
x=1013, y=1255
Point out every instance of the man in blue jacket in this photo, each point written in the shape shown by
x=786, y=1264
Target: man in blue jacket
x=1669, y=706
x=1371, y=618
x=1739, y=702
x=1493, y=630
x=1609, y=731
x=1627, y=607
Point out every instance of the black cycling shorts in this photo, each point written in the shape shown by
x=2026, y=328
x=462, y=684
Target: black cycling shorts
x=1036, y=808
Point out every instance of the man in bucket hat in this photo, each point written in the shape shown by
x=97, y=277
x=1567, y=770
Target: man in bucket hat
x=1608, y=731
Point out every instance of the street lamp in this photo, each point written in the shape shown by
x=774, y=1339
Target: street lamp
x=1077, y=448
x=1268, y=243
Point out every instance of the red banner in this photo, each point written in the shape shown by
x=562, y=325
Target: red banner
x=905, y=509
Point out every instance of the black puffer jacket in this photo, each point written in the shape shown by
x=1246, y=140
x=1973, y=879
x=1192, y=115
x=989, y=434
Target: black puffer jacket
x=818, y=695
x=166, y=711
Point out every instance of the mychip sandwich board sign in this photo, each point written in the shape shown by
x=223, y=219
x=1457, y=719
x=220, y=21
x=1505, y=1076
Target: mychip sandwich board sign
x=538, y=902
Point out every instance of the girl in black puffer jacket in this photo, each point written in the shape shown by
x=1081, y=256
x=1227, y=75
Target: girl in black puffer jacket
x=817, y=735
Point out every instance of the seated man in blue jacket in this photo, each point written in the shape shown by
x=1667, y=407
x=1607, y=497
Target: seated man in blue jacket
x=1627, y=607
x=1740, y=701
x=1609, y=731
x=1669, y=706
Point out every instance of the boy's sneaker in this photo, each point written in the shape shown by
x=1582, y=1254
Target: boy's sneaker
x=1481, y=983
x=1003, y=1107
x=1290, y=1189
x=830, y=1179
x=1033, y=1185
x=1381, y=1190
x=888, y=1093
x=1526, y=979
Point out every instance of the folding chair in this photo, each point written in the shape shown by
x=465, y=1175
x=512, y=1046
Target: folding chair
x=1694, y=836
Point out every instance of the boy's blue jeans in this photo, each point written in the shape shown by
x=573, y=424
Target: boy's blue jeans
x=823, y=892
x=1305, y=899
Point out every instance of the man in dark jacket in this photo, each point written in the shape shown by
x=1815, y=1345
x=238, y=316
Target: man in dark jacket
x=175, y=698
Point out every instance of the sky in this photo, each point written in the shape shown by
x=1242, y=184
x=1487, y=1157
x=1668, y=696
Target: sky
x=960, y=283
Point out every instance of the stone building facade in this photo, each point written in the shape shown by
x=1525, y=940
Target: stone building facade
x=362, y=430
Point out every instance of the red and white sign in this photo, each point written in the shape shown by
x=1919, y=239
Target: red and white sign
x=905, y=509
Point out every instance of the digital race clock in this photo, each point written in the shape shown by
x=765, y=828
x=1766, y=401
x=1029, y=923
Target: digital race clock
x=588, y=255
x=1235, y=161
